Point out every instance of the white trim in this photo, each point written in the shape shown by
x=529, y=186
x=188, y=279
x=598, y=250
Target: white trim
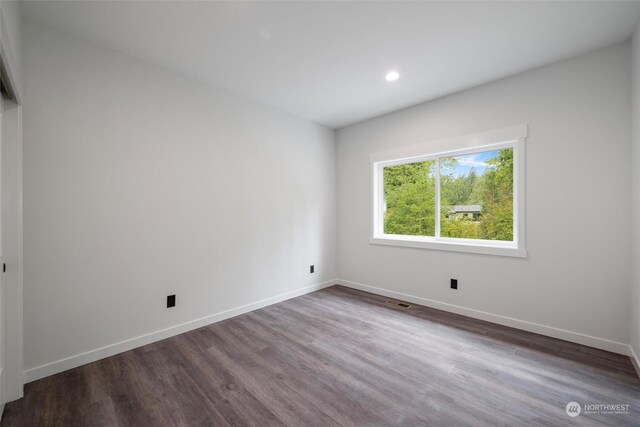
x=482, y=247
x=519, y=181
x=550, y=331
x=635, y=361
x=458, y=143
x=122, y=346
x=13, y=278
x=438, y=182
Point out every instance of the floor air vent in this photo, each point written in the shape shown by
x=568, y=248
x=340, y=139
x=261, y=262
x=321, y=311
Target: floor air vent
x=399, y=304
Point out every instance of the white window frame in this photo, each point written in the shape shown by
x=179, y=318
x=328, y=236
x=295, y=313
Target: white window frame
x=513, y=137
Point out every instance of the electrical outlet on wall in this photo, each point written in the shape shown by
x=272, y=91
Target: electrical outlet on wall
x=312, y=269
x=454, y=283
x=171, y=301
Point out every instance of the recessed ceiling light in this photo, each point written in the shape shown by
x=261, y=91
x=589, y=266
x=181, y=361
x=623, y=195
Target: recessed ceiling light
x=392, y=76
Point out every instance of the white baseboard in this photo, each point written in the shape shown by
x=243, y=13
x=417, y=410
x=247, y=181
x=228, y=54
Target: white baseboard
x=122, y=346
x=550, y=331
x=634, y=360
x=113, y=349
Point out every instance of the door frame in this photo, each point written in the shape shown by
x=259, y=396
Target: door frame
x=11, y=326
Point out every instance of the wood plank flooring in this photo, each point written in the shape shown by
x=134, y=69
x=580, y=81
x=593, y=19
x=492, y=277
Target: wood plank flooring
x=338, y=357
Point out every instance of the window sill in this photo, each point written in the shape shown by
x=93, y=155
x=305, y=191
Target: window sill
x=442, y=245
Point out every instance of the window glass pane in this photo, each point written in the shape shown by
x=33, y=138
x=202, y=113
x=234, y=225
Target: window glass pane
x=409, y=197
x=476, y=196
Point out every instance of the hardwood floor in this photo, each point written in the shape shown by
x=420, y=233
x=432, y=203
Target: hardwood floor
x=338, y=357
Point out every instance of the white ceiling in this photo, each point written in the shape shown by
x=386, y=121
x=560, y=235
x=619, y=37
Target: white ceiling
x=326, y=61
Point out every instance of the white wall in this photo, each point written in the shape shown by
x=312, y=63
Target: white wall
x=635, y=217
x=577, y=275
x=139, y=183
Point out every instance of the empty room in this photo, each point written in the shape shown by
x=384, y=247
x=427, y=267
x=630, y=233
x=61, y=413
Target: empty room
x=319, y=213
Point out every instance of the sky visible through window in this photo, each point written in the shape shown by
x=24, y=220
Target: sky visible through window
x=476, y=161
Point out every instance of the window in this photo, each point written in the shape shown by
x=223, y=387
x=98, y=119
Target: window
x=465, y=194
